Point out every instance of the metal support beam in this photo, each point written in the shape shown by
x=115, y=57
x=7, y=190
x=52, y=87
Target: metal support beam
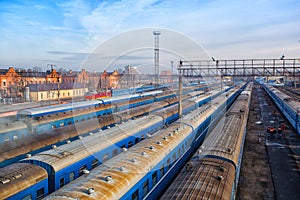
x=243, y=67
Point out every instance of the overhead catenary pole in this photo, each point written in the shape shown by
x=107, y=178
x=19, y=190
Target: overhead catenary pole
x=180, y=96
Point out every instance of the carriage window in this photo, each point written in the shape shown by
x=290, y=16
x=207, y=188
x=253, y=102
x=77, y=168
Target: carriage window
x=174, y=157
x=145, y=188
x=94, y=163
x=61, y=182
x=129, y=144
x=154, y=179
x=135, y=195
x=169, y=163
x=81, y=170
x=40, y=193
x=115, y=152
x=105, y=157
x=136, y=140
x=161, y=171
x=71, y=176
x=28, y=197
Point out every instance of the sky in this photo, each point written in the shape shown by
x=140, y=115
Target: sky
x=98, y=35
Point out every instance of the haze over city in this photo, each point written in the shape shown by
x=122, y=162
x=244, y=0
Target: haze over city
x=100, y=35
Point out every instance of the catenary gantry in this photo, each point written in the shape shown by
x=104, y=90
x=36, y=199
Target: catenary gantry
x=242, y=67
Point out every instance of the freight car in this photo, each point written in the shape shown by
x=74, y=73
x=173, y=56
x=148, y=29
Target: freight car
x=213, y=171
x=144, y=168
x=287, y=105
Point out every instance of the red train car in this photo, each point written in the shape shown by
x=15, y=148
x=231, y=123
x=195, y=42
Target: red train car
x=93, y=96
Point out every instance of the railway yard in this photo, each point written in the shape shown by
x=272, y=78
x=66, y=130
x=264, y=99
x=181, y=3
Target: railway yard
x=250, y=150
x=271, y=165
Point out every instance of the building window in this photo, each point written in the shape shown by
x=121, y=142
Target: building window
x=42, y=95
x=4, y=83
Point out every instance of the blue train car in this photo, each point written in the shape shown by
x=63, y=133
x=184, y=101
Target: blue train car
x=145, y=169
x=289, y=107
x=40, y=120
x=23, y=181
x=216, y=164
x=80, y=155
x=12, y=131
x=68, y=162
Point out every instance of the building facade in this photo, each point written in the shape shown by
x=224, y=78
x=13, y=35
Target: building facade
x=109, y=80
x=89, y=79
x=13, y=82
x=55, y=91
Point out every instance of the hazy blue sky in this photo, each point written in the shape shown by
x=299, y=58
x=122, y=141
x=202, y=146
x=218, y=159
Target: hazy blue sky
x=36, y=33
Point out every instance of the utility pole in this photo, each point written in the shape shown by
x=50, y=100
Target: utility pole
x=172, y=71
x=156, y=55
x=58, y=90
x=180, y=96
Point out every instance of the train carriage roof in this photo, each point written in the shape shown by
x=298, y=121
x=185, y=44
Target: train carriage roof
x=35, y=112
x=19, y=176
x=120, y=173
x=71, y=153
x=12, y=126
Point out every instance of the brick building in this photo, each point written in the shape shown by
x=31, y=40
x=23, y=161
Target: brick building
x=13, y=82
x=88, y=79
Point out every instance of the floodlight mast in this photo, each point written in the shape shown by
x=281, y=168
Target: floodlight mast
x=156, y=55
